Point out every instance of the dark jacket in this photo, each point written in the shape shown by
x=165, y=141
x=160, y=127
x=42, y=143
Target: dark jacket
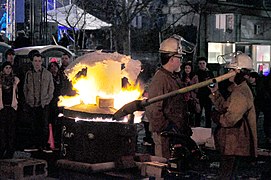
x=171, y=110
x=258, y=93
x=21, y=41
x=204, y=75
x=266, y=93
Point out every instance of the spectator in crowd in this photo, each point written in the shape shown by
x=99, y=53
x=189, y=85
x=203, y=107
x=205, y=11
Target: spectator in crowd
x=236, y=131
x=204, y=74
x=38, y=92
x=64, y=41
x=256, y=87
x=65, y=61
x=67, y=85
x=22, y=70
x=8, y=108
x=21, y=40
x=3, y=37
x=9, y=55
x=169, y=114
x=53, y=67
x=266, y=98
x=189, y=78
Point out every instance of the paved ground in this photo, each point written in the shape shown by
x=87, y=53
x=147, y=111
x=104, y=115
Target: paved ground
x=259, y=168
x=249, y=169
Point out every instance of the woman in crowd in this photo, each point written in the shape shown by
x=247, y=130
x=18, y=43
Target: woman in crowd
x=189, y=78
x=8, y=107
x=53, y=67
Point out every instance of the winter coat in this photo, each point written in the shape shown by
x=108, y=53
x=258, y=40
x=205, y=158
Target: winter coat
x=14, y=103
x=171, y=110
x=204, y=75
x=191, y=96
x=236, y=133
x=47, y=87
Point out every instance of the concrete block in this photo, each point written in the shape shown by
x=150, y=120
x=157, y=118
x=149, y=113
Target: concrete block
x=23, y=169
x=200, y=135
x=158, y=159
x=153, y=169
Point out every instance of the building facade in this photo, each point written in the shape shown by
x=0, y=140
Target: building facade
x=226, y=26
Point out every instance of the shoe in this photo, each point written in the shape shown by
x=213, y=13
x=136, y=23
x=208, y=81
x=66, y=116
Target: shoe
x=47, y=150
x=146, y=143
x=31, y=149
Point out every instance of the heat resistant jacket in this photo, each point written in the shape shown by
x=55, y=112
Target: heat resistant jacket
x=172, y=109
x=47, y=87
x=236, y=133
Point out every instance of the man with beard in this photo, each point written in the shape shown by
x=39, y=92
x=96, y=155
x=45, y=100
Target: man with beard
x=169, y=114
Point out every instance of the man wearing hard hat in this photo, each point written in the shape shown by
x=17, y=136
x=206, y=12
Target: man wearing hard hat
x=235, y=135
x=169, y=114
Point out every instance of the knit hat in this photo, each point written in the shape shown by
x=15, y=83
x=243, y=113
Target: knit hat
x=6, y=63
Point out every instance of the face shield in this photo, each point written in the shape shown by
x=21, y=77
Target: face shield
x=229, y=60
x=237, y=60
x=183, y=45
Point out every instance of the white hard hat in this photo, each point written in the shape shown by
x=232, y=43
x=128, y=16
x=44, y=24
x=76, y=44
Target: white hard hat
x=236, y=60
x=176, y=45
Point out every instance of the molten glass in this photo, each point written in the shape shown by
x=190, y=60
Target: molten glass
x=100, y=74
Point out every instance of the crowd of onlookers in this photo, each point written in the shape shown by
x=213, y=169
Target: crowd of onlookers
x=40, y=88
x=21, y=39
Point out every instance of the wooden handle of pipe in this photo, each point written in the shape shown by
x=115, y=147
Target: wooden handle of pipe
x=188, y=88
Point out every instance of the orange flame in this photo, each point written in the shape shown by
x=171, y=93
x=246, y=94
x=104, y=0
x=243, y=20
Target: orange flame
x=103, y=80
